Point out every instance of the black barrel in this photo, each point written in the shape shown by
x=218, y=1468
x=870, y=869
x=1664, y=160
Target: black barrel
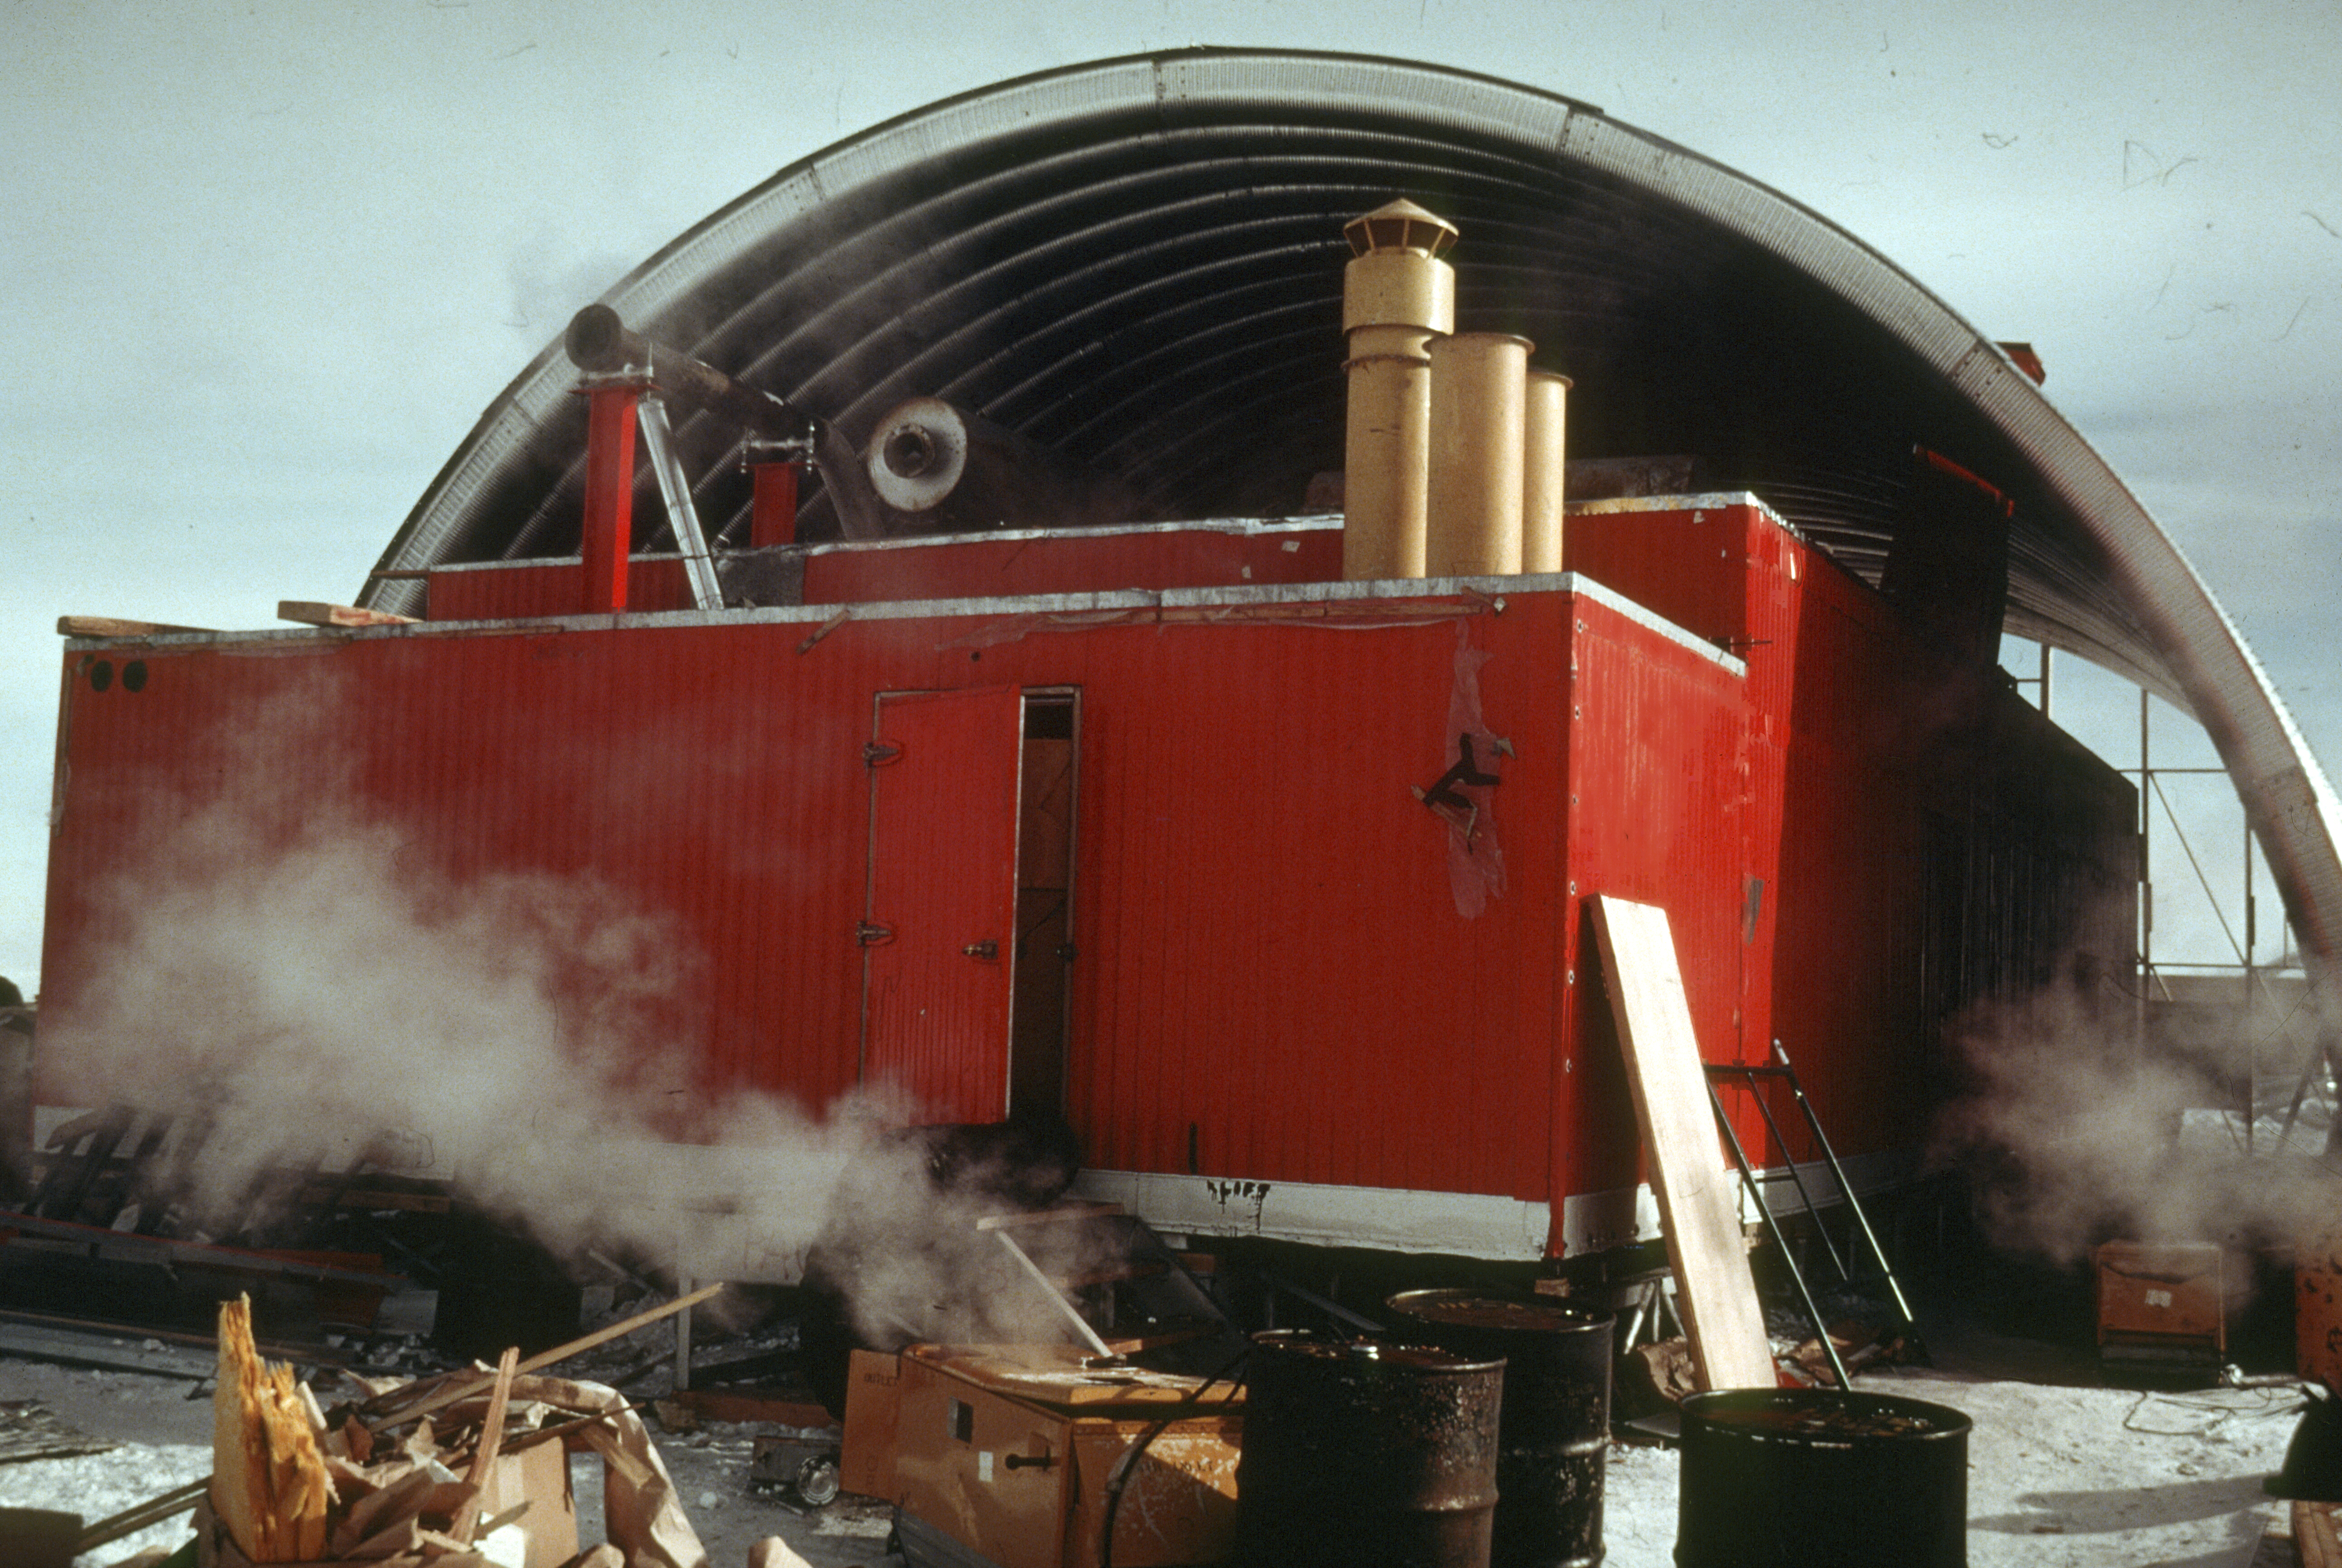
x=1553, y=1429
x=1814, y=1478
x=1365, y=1454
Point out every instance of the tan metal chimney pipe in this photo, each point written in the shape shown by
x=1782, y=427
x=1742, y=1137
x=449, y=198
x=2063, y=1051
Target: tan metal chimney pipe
x=1397, y=296
x=1480, y=423
x=1541, y=477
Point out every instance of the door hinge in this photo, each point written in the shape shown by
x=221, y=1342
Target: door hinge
x=878, y=753
x=987, y=950
x=871, y=933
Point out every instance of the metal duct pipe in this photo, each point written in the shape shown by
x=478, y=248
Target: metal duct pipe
x=600, y=344
x=1542, y=472
x=1480, y=395
x=943, y=470
x=1396, y=295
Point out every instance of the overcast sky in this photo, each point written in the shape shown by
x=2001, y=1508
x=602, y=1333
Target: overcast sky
x=267, y=262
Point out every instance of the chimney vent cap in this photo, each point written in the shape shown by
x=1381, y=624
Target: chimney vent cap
x=1400, y=226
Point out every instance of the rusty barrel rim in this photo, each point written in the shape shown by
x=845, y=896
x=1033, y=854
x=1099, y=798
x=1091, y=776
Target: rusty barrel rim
x=1313, y=1346
x=1464, y=1308
x=1823, y=1417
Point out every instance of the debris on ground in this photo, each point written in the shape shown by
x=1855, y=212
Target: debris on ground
x=457, y=1470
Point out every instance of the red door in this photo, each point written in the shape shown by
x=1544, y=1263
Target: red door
x=940, y=929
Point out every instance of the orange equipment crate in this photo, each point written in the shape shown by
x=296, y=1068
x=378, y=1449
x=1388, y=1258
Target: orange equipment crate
x=2162, y=1303
x=1007, y=1450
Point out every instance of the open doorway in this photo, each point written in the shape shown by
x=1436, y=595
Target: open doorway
x=1045, y=894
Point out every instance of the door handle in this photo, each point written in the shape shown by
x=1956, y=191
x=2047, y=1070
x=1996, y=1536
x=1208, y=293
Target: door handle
x=987, y=950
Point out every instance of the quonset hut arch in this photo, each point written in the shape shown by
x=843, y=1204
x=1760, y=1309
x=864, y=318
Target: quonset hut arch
x=1137, y=262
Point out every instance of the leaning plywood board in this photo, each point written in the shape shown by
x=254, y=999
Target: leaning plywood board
x=1697, y=1200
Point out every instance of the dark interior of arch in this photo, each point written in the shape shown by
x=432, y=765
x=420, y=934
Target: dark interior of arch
x=1156, y=294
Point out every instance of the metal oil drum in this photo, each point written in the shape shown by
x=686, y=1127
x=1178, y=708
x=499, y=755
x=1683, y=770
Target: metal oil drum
x=1554, y=1424
x=1365, y=1455
x=1815, y=1478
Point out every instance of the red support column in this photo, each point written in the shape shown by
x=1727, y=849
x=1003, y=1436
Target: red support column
x=608, y=537
x=773, y=514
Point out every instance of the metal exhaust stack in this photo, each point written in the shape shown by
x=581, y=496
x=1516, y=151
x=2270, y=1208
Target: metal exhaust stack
x=600, y=344
x=1479, y=396
x=1397, y=296
x=1541, y=490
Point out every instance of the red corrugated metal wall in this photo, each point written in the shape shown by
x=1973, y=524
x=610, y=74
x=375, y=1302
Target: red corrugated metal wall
x=1273, y=979
x=952, y=568
x=1076, y=563
x=1270, y=946
x=517, y=589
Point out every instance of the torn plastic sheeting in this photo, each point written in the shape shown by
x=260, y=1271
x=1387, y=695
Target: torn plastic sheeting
x=1475, y=858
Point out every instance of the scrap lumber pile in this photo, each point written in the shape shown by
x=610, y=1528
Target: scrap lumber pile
x=458, y=1471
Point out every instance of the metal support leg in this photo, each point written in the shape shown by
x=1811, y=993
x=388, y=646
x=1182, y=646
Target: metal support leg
x=1837, y=1174
x=1748, y=1177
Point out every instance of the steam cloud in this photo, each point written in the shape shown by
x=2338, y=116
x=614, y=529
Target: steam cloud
x=292, y=970
x=2070, y=1132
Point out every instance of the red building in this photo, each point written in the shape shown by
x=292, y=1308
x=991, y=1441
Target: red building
x=1146, y=824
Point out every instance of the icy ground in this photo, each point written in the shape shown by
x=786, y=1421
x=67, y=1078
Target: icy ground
x=2063, y=1471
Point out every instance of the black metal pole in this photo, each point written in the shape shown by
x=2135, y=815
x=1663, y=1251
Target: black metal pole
x=1806, y=1197
x=1837, y=1171
x=1740, y=1158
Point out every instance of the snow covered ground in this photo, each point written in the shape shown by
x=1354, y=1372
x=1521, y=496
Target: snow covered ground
x=2062, y=1471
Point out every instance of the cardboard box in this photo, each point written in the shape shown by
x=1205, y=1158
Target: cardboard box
x=867, y=1463
x=538, y=1475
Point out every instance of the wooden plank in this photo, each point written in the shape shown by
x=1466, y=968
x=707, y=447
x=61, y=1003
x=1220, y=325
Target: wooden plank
x=455, y=1393
x=115, y=627
x=1698, y=1200
x=2314, y=1539
x=311, y=613
x=492, y=1439
x=301, y=1490
x=239, y=1489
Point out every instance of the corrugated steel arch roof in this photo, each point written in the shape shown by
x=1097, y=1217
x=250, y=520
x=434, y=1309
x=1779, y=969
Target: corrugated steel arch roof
x=1139, y=261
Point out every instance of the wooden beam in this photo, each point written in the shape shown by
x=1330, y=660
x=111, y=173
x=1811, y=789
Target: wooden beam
x=310, y=612
x=492, y=1441
x=457, y=1392
x=1699, y=1200
x=114, y=628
